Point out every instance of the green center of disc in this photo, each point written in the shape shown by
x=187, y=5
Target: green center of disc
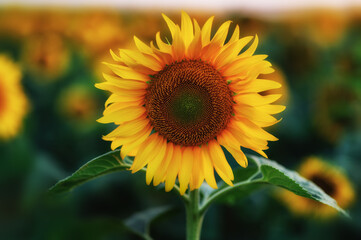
x=187, y=106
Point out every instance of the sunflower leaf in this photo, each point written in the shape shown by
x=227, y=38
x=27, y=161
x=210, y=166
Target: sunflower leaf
x=101, y=165
x=139, y=223
x=275, y=174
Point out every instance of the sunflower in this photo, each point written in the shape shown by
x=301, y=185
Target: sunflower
x=46, y=56
x=13, y=102
x=79, y=104
x=176, y=104
x=337, y=110
x=330, y=179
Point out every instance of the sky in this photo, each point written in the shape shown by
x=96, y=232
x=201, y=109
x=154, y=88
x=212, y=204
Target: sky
x=270, y=6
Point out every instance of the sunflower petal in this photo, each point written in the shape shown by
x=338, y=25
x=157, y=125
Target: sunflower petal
x=171, y=25
x=208, y=169
x=185, y=169
x=153, y=164
x=161, y=171
x=123, y=115
x=255, y=99
x=250, y=51
x=173, y=168
x=147, y=152
x=220, y=162
x=206, y=31
x=142, y=47
x=186, y=29
x=238, y=155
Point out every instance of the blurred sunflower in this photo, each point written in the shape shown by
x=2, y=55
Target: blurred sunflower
x=327, y=27
x=97, y=31
x=337, y=109
x=13, y=102
x=330, y=179
x=176, y=104
x=79, y=104
x=17, y=22
x=46, y=56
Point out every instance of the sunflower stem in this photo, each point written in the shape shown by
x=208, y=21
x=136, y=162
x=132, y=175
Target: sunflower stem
x=194, y=217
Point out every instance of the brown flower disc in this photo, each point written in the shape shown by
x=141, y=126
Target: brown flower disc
x=188, y=103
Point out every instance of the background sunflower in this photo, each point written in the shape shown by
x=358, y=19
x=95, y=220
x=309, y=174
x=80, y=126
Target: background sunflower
x=317, y=52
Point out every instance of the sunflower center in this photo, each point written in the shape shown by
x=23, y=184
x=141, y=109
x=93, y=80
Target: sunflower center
x=325, y=184
x=189, y=103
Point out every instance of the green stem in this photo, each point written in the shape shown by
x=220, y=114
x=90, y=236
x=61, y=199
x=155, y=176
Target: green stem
x=194, y=217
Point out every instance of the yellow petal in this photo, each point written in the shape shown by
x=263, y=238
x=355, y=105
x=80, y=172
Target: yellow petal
x=185, y=169
x=197, y=173
x=225, y=138
x=206, y=31
x=173, y=168
x=161, y=171
x=195, y=47
x=114, y=56
x=178, y=47
x=171, y=25
x=128, y=128
x=258, y=85
x=149, y=61
x=147, y=151
x=119, y=141
x=131, y=145
x=121, y=91
x=208, y=167
x=252, y=130
x=230, y=52
x=252, y=113
x=255, y=99
x=271, y=109
x=220, y=162
x=254, y=144
x=123, y=115
x=153, y=164
x=221, y=34
x=242, y=66
x=235, y=35
x=142, y=46
x=123, y=99
x=126, y=72
x=186, y=29
x=125, y=83
x=251, y=49
x=238, y=155
x=161, y=45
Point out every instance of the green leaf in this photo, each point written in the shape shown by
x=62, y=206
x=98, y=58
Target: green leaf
x=104, y=164
x=269, y=172
x=274, y=173
x=139, y=223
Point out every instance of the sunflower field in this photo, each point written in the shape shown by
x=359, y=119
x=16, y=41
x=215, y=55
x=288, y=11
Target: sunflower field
x=56, y=64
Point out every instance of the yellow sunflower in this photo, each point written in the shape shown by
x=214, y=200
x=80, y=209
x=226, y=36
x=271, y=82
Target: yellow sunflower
x=78, y=103
x=330, y=179
x=13, y=102
x=46, y=56
x=176, y=104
